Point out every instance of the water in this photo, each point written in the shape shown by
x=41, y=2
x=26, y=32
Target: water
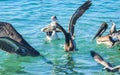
x=29, y=16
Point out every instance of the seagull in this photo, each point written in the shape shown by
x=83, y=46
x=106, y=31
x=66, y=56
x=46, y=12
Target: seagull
x=70, y=44
x=107, y=65
x=111, y=39
x=51, y=29
x=7, y=30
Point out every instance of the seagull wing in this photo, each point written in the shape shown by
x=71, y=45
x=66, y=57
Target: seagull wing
x=79, y=12
x=49, y=28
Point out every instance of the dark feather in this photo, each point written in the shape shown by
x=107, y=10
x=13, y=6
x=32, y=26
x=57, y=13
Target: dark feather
x=9, y=45
x=100, y=60
x=79, y=12
x=7, y=30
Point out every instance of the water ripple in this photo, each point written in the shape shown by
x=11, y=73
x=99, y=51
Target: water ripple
x=28, y=17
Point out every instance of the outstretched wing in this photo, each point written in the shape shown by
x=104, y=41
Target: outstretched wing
x=49, y=28
x=100, y=60
x=77, y=14
x=116, y=67
x=9, y=45
x=7, y=30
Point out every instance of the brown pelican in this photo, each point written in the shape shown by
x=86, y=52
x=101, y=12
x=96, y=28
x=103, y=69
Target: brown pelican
x=9, y=45
x=107, y=65
x=51, y=29
x=7, y=30
x=69, y=36
x=111, y=39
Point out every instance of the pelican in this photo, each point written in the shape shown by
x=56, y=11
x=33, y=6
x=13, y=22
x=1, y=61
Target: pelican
x=7, y=30
x=107, y=65
x=51, y=29
x=9, y=45
x=111, y=39
x=70, y=44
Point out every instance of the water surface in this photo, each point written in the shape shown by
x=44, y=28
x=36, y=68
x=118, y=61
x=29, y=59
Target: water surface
x=29, y=16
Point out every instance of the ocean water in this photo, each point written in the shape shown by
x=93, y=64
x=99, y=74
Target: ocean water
x=29, y=16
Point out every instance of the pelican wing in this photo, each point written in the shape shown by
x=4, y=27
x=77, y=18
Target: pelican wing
x=116, y=67
x=100, y=60
x=79, y=12
x=62, y=29
x=49, y=28
x=9, y=45
x=7, y=30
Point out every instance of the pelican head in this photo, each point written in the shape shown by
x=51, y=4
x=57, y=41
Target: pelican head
x=110, y=39
x=53, y=18
x=113, y=28
x=101, y=30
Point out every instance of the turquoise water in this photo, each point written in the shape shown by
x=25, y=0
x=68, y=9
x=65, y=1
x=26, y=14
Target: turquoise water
x=29, y=16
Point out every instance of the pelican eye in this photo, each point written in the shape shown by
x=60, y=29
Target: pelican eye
x=12, y=34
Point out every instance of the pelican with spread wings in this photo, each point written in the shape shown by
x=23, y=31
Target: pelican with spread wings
x=107, y=65
x=69, y=36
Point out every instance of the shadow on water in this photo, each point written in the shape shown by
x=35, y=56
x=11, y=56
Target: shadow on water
x=67, y=68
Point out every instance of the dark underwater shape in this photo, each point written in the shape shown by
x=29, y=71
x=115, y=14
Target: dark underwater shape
x=7, y=30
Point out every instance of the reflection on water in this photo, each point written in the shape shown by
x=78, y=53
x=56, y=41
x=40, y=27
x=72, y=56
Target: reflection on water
x=67, y=68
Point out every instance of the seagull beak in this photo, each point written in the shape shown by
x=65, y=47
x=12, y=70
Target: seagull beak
x=101, y=30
